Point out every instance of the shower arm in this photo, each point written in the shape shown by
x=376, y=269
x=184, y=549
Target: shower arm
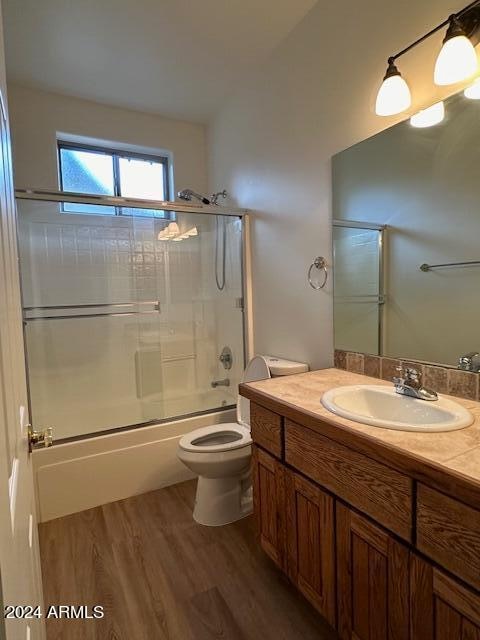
x=218, y=194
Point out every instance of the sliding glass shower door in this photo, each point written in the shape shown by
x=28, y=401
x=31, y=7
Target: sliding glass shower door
x=124, y=321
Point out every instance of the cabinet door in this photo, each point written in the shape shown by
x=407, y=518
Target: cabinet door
x=310, y=534
x=372, y=581
x=442, y=609
x=269, y=503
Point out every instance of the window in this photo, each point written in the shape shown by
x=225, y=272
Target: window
x=110, y=172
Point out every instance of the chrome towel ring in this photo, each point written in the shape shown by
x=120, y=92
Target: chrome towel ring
x=318, y=263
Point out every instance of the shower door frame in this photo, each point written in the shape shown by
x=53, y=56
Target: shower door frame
x=245, y=304
x=382, y=297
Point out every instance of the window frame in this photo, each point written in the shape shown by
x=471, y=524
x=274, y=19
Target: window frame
x=115, y=153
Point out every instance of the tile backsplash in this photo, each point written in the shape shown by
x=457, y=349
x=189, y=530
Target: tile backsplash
x=454, y=382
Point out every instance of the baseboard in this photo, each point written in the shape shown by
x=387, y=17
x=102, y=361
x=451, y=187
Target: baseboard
x=80, y=475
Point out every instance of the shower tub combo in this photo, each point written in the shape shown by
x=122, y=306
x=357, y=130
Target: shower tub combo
x=129, y=309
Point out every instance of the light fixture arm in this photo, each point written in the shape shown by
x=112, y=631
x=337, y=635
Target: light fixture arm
x=456, y=61
x=468, y=18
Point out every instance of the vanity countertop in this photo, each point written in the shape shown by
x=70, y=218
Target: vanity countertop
x=427, y=455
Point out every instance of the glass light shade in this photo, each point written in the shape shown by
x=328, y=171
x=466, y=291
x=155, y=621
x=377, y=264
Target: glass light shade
x=393, y=96
x=428, y=117
x=473, y=91
x=173, y=229
x=456, y=61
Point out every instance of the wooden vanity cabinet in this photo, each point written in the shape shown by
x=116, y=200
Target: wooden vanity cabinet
x=310, y=537
x=441, y=608
x=371, y=487
x=380, y=554
x=372, y=581
x=268, y=479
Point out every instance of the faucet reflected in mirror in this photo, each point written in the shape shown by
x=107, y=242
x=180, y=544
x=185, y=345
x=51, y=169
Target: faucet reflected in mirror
x=470, y=361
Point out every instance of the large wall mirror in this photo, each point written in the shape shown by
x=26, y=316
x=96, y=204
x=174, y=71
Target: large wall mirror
x=406, y=235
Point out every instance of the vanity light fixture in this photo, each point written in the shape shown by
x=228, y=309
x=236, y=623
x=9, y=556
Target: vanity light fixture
x=473, y=91
x=429, y=117
x=456, y=61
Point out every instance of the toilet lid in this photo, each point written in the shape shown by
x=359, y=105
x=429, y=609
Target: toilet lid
x=257, y=369
x=216, y=437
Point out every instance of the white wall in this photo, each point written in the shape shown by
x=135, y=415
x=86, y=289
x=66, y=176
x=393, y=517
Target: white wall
x=271, y=148
x=37, y=116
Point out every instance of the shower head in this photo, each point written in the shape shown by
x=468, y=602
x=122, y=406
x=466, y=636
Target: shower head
x=188, y=194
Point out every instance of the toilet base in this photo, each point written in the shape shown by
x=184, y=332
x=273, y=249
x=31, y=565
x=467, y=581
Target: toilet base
x=221, y=501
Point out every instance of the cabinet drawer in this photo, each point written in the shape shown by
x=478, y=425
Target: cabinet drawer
x=266, y=429
x=380, y=492
x=448, y=531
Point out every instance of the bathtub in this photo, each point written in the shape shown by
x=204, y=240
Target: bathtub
x=78, y=475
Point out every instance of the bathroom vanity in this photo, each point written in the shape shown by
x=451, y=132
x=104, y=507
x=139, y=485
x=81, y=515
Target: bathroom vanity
x=379, y=529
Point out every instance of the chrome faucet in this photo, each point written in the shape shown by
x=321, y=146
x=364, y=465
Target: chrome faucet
x=409, y=383
x=221, y=383
x=470, y=361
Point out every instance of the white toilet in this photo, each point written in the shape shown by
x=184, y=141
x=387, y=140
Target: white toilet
x=220, y=454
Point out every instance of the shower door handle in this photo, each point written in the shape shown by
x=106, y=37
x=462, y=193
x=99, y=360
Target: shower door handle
x=39, y=439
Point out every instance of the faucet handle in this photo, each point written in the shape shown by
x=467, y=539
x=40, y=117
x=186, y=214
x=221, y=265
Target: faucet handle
x=407, y=376
x=413, y=377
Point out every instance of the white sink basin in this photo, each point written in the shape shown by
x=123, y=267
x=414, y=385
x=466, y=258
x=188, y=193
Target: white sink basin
x=381, y=406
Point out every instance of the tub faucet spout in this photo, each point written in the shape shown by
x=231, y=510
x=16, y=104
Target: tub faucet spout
x=221, y=383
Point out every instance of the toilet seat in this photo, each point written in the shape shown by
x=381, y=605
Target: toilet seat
x=231, y=435
x=216, y=438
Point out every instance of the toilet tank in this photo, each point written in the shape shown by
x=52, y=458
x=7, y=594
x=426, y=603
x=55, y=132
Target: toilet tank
x=280, y=367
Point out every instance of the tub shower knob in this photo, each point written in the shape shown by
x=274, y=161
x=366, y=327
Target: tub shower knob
x=226, y=358
x=39, y=439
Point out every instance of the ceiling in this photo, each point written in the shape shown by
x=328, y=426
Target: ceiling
x=180, y=58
